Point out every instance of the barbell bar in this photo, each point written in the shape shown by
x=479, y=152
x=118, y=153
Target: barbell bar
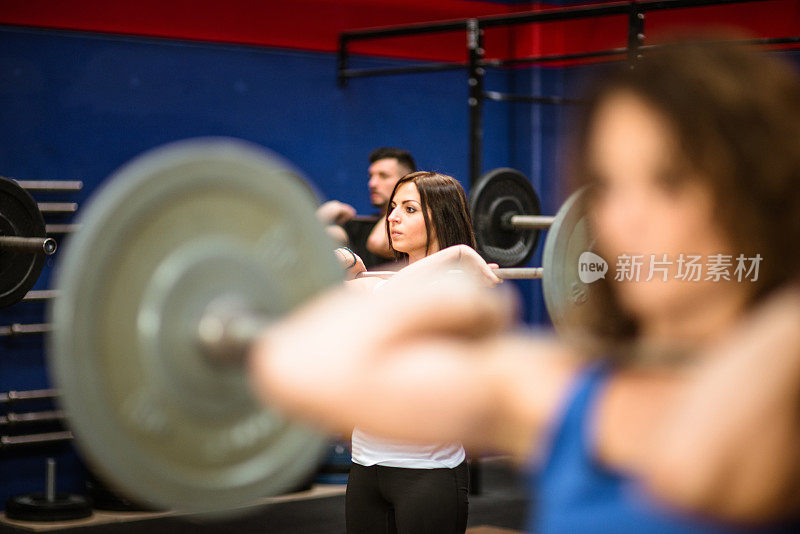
x=147, y=339
x=30, y=245
x=507, y=273
x=530, y=222
x=237, y=342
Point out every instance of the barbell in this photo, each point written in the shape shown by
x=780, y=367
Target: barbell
x=220, y=240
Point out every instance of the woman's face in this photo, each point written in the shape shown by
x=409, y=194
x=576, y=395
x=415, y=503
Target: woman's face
x=407, y=225
x=646, y=203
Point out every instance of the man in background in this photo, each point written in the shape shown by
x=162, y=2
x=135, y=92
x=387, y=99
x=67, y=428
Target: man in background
x=367, y=236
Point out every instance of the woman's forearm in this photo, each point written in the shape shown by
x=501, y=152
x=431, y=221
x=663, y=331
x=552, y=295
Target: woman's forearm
x=350, y=358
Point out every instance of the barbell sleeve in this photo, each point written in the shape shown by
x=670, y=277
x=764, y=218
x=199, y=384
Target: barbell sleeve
x=31, y=245
x=530, y=222
x=227, y=329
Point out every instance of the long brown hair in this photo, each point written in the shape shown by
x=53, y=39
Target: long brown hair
x=444, y=208
x=735, y=115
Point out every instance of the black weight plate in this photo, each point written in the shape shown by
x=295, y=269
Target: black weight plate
x=36, y=507
x=19, y=216
x=498, y=195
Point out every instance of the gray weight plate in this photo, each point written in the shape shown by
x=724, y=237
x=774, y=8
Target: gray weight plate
x=172, y=231
x=568, y=237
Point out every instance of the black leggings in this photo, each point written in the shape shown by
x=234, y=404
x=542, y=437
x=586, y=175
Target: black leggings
x=404, y=501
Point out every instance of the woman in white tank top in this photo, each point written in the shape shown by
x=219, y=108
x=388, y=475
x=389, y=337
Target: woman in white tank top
x=403, y=486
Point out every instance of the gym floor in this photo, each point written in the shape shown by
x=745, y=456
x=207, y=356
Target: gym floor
x=500, y=509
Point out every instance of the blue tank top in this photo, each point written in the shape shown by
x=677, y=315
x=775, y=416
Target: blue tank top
x=573, y=492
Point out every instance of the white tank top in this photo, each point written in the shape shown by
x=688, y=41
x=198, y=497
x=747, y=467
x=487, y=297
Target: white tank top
x=371, y=450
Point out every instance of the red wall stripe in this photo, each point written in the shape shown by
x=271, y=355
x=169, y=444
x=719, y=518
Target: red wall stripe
x=316, y=24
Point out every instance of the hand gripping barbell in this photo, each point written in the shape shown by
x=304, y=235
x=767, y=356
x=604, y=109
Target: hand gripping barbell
x=220, y=239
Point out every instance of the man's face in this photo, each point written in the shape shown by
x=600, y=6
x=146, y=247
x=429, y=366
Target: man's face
x=383, y=175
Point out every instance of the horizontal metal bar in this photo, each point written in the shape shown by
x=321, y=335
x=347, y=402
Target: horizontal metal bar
x=30, y=245
x=49, y=416
x=771, y=40
x=530, y=17
x=405, y=29
x=660, y=5
x=51, y=185
x=555, y=14
x=62, y=228
x=605, y=10
x=531, y=222
x=507, y=273
x=58, y=207
x=556, y=100
x=18, y=329
x=747, y=42
x=553, y=58
x=11, y=397
x=410, y=69
x=544, y=15
x=35, y=439
x=493, y=63
x=43, y=294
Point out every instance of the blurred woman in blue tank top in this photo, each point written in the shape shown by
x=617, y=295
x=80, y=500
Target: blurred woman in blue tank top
x=670, y=402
